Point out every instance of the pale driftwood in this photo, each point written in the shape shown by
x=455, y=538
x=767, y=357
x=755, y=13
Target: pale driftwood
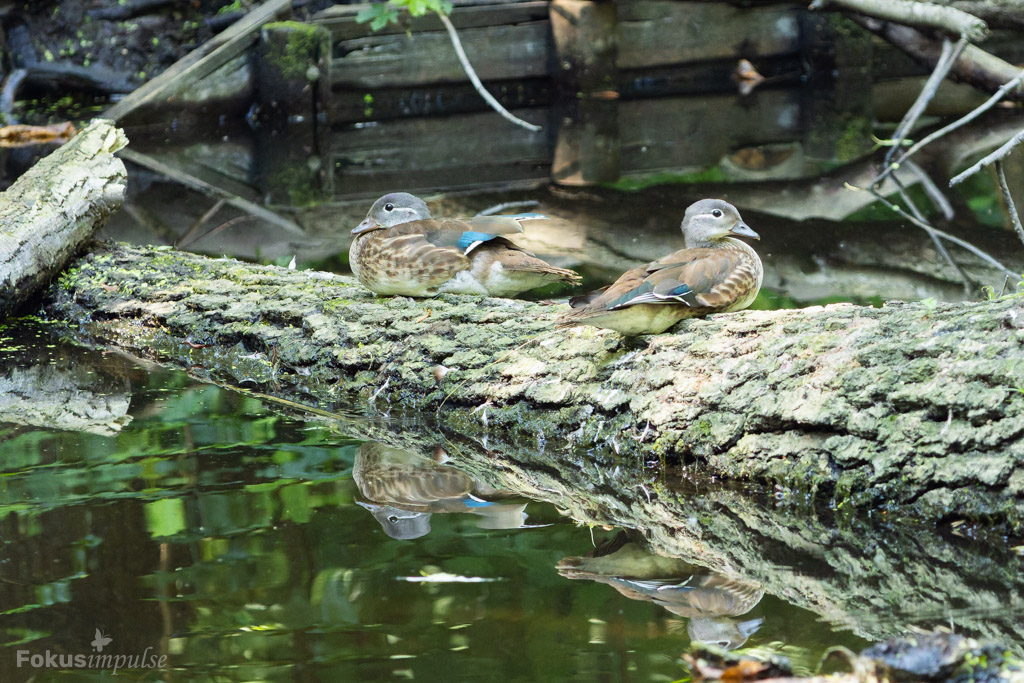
x=50, y=211
x=975, y=66
x=913, y=13
x=913, y=407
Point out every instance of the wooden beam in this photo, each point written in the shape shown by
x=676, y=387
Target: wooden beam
x=340, y=20
x=656, y=32
x=497, y=52
x=209, y=188
x=202, y=61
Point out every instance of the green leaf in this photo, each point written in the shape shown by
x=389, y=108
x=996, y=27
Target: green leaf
x=379, y=15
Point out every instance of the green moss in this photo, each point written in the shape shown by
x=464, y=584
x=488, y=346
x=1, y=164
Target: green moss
x=301, y=48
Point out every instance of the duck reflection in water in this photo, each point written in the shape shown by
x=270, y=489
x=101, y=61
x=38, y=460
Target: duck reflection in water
x=708, y=600
x=402, y=490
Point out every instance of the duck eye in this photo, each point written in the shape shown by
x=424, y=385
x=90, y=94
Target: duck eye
x=717, y=213
x=391, y=207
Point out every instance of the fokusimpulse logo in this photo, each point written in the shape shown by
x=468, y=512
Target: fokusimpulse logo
x=53, y=660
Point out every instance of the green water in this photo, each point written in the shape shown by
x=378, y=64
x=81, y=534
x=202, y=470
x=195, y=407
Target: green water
x=239, y=541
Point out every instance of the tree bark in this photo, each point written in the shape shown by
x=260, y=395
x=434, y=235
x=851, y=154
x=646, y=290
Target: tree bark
x=54, y=208
x=913, y=409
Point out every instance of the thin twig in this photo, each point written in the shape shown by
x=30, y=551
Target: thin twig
x=932, y=190
x=468, y=68
x=190, y=234
x=946, y=60
x=939, y=246
x=946, y=236
x=997, y=155
x=962, y=121
x=1005, y=189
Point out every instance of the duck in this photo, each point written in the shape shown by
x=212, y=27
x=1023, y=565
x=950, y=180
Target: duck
x=401, y=250
x=714, y=273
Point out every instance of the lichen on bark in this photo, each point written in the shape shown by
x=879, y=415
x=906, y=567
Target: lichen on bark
x=912, y=408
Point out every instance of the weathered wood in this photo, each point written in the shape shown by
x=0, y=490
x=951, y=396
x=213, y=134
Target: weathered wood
x=55, y=207
x=678, y=133
x=192, y=175
x=292, y=73
x=587, y=149
x=909, y=407
x=586, y=40
x=201, y=62
x=431, y=153
x=693, y=133
x=496, y=52
x=654, y=32
x=340, y=20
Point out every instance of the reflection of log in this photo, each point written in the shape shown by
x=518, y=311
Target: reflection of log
x=907, y=405
x=49, y=212
x=40, y=389
x=871, y=572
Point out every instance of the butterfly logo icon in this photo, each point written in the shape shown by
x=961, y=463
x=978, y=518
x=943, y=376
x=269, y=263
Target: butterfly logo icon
x=100, y=641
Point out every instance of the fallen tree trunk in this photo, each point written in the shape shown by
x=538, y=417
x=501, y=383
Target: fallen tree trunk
x=914, y=409
x=54, y=208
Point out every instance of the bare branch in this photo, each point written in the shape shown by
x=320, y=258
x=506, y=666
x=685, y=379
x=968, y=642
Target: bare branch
x=468, y=68
x=981, y=69
x=946, y=60
x=997, y=155
x=967, y=118
x=925, y=14
x=945, y=235
x=1005, y=189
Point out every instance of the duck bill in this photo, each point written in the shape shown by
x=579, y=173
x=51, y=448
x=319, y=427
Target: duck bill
x=743, y=230
x=367, y=225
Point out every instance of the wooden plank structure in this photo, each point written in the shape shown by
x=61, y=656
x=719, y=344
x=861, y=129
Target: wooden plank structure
x=620, y=88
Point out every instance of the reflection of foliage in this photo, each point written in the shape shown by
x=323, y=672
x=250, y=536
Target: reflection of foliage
x=639, y=182
x=380, y=14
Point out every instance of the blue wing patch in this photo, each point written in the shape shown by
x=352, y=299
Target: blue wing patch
x=469, y=238
x=681, y=290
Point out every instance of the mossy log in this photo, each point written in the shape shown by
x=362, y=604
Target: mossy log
x=910, y=408
x=54, y=208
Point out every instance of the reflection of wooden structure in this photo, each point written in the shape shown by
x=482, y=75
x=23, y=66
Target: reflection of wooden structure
x=394, y=108
x=630, y=87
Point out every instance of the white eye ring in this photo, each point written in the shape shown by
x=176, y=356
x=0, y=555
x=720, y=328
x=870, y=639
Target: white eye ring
x=717, y=213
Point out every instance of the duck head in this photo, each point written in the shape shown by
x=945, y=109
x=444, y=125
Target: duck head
x=710, y=221
x=393, y=209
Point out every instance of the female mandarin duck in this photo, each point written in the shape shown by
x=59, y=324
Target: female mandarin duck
x=714, y=273
x=400, y=249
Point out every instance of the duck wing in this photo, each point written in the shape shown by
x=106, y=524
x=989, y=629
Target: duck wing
x=699, y=278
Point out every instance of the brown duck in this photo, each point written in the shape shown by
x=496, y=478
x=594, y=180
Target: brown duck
x=399, y=249
x=714, y=273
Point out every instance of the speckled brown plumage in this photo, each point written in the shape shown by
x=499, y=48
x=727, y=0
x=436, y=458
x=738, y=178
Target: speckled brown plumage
x=402, y=250
x=715, y=273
